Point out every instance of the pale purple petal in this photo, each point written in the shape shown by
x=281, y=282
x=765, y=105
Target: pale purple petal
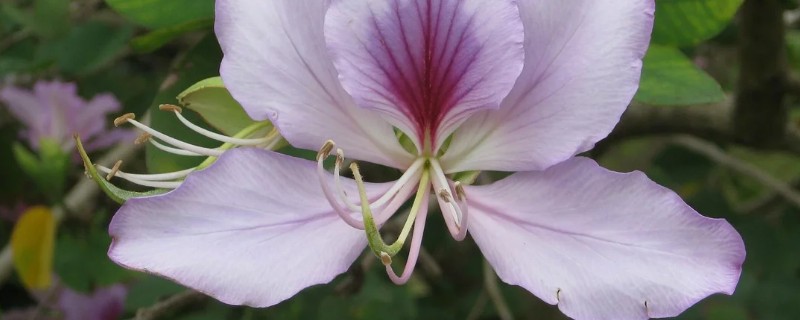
x=110, y=138
x=25, y=107
x=103, y=304
x=254, y=229
x=425, y=64
x=601, y=244
x=276, y=65
x=582, y=67
x=89, y=120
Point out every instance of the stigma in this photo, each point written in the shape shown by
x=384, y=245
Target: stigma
x=257, y=134
x=422, y=178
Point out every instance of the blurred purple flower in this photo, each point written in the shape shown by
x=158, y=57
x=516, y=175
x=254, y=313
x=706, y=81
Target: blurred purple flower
x=103, y=304
x=53, y=110
x=472, y=85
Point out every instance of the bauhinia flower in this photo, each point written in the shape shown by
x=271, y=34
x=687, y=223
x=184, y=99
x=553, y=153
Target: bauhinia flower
x=54, y=111
x=434, y=88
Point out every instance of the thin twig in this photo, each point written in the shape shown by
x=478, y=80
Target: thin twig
x=490, y=282
x=477, y=309
x=171, y=305
x=718, y=155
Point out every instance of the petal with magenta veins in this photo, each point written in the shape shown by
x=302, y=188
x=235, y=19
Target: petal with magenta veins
x=276, y=65
x=582, y=67
x=602, y=244
x=426, y=64
x=254, y=228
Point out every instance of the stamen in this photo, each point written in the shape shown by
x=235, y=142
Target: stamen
x=462, y=196
x=123, y=119
x=146, y=183
x=143, y=138
x=114, y=170
x=156, y=176
x=344, y=214
x=386, y=259
x=172, y=150
x=416, y=243
x=170, y=108
x=176, y=142
x=445, y=195
x=373, y=235
x=325, y=151
x=213, y=135
x=389, y=195
x=454, y=217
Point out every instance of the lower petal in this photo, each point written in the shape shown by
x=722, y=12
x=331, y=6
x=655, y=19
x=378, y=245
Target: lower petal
x=252, y=229
x=601, y=244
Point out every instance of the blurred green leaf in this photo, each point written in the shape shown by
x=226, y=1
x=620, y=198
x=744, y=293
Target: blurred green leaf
x=51, y=17
x=32, y=246
x=158, y=38
x=215, y=104
x=76, y=252
x=669, y=78
x=200, y=63
x=690, y=22
x=48, y=169
x=149, y=290
x=89, y=46
x=157, y=14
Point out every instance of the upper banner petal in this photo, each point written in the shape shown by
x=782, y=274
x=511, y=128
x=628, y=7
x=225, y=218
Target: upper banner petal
x=276, y=65
x=426, y=64
x=582, y=68
x=254, y=228
x=601, y=244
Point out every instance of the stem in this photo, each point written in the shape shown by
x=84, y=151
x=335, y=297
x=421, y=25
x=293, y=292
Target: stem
x=760, y=114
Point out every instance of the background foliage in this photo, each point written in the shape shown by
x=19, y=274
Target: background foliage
x=146, y=52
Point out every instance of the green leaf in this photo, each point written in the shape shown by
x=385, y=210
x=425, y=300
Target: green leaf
x=89, y=46
x=48, y=170
x=690, y=22
x=51, y=17
x=156, y=39
x=75, y=252
x=157, y=14
x=115, y=193
x=32, y=245
x=669, y=78
x=200, y=63
x=215, y=104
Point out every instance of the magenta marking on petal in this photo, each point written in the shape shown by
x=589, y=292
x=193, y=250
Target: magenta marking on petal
x=427, y=64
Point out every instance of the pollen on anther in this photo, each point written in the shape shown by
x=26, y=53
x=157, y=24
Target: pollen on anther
x=169, y=107
x=460, y=191
x=143, y=138
x=339, y=157
x=123, y=119
x=445, y=195
x=114, y=170
x=325, y=151
x=386, y=259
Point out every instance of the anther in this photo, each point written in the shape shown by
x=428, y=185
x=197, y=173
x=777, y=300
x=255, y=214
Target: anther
x=123, y=119
x=339, y=157
x=460, y=191
x=558, y=295
x=143, y=138
x=114, y=170
x=169, y=107
x=325, y=151
x=445, y=195
x=386, y=259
